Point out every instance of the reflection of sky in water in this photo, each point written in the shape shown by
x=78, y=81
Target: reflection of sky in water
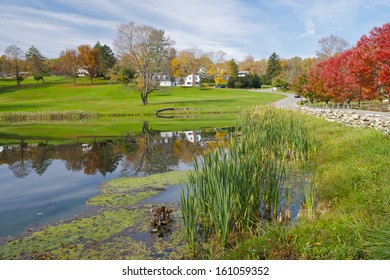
x=28, y=199
x=57, y=194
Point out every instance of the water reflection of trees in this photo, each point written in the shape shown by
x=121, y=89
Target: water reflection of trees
x=144, y=154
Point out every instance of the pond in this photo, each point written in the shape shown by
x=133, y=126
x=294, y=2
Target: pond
x=42, y=183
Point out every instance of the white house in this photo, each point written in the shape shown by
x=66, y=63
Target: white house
x=192, y=136
x=82, y=72
x=165, y=81
x=165, y=84
x=188, y=82
x=243, y=73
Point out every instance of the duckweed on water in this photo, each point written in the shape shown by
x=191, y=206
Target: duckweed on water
x=109, y=233
x=122, y=192
x=69, y=240
x=156, y=181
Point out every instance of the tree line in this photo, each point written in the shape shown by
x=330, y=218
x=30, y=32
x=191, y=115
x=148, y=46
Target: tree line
x=145, y=56
x=96, y=60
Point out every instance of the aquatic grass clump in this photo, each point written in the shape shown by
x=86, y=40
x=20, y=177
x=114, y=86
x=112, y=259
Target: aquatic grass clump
x=52, y=116
x=235, y=187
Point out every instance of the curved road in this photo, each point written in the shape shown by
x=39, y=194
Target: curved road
x=291, y=101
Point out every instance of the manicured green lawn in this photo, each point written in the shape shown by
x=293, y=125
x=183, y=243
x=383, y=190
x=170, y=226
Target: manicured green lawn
x=204, y=108
x=58, y=94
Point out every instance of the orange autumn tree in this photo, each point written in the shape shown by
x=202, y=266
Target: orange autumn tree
x=69, y=63
x=89, y=59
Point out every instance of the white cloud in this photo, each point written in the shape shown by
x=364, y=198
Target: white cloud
x=49, y=31
x=310, y=28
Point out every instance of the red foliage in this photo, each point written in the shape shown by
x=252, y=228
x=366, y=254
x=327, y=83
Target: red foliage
x=362, y=72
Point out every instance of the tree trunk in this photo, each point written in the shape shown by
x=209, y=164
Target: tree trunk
x=144, y=98
x=17, y=76
x=388, y=103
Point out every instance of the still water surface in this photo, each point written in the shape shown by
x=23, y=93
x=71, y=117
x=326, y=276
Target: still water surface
x=46, y=183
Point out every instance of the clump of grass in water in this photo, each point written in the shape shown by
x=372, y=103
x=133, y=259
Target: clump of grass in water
x=17, y=117
x=309, y=201
x=224, y=195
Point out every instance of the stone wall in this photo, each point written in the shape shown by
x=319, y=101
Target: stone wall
x=352, y=118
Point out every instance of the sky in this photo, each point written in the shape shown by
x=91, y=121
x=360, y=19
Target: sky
x=237, y=27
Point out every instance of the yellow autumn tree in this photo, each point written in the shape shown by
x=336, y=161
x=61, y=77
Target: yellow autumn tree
x=185, y=63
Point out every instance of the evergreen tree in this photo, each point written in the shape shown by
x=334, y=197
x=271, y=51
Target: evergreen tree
x=106, y=59
x=232, y=69
x=36, y=63
x=274, y=68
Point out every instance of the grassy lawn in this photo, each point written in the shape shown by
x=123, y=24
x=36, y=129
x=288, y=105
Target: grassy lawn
x=58, y=94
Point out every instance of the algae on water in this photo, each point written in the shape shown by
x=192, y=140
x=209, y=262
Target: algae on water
x=109, y=233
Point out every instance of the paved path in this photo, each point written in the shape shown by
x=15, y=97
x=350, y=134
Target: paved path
x=289, y=101
x=292, y=102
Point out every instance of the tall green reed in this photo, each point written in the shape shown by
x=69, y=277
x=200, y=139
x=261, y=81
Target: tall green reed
x=309, y=201
x=227, y=190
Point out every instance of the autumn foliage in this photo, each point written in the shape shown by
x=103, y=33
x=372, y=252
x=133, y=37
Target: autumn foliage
x=360, y=73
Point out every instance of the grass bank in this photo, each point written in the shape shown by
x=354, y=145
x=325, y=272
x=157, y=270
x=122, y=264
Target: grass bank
x=352, y=206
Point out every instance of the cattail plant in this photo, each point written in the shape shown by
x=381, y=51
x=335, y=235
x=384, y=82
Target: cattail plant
x=309, y=199
x=226, y=191
x=287, y=195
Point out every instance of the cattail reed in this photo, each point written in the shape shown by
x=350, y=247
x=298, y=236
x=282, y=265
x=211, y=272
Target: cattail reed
x=234, y=187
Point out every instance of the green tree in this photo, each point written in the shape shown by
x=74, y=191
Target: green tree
x=299, y=83
x=106, y=59
x=232, y=69
x=36, y=63
x=274, y=68
x=123, y=71
x=254, y=80
x=147, y=49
